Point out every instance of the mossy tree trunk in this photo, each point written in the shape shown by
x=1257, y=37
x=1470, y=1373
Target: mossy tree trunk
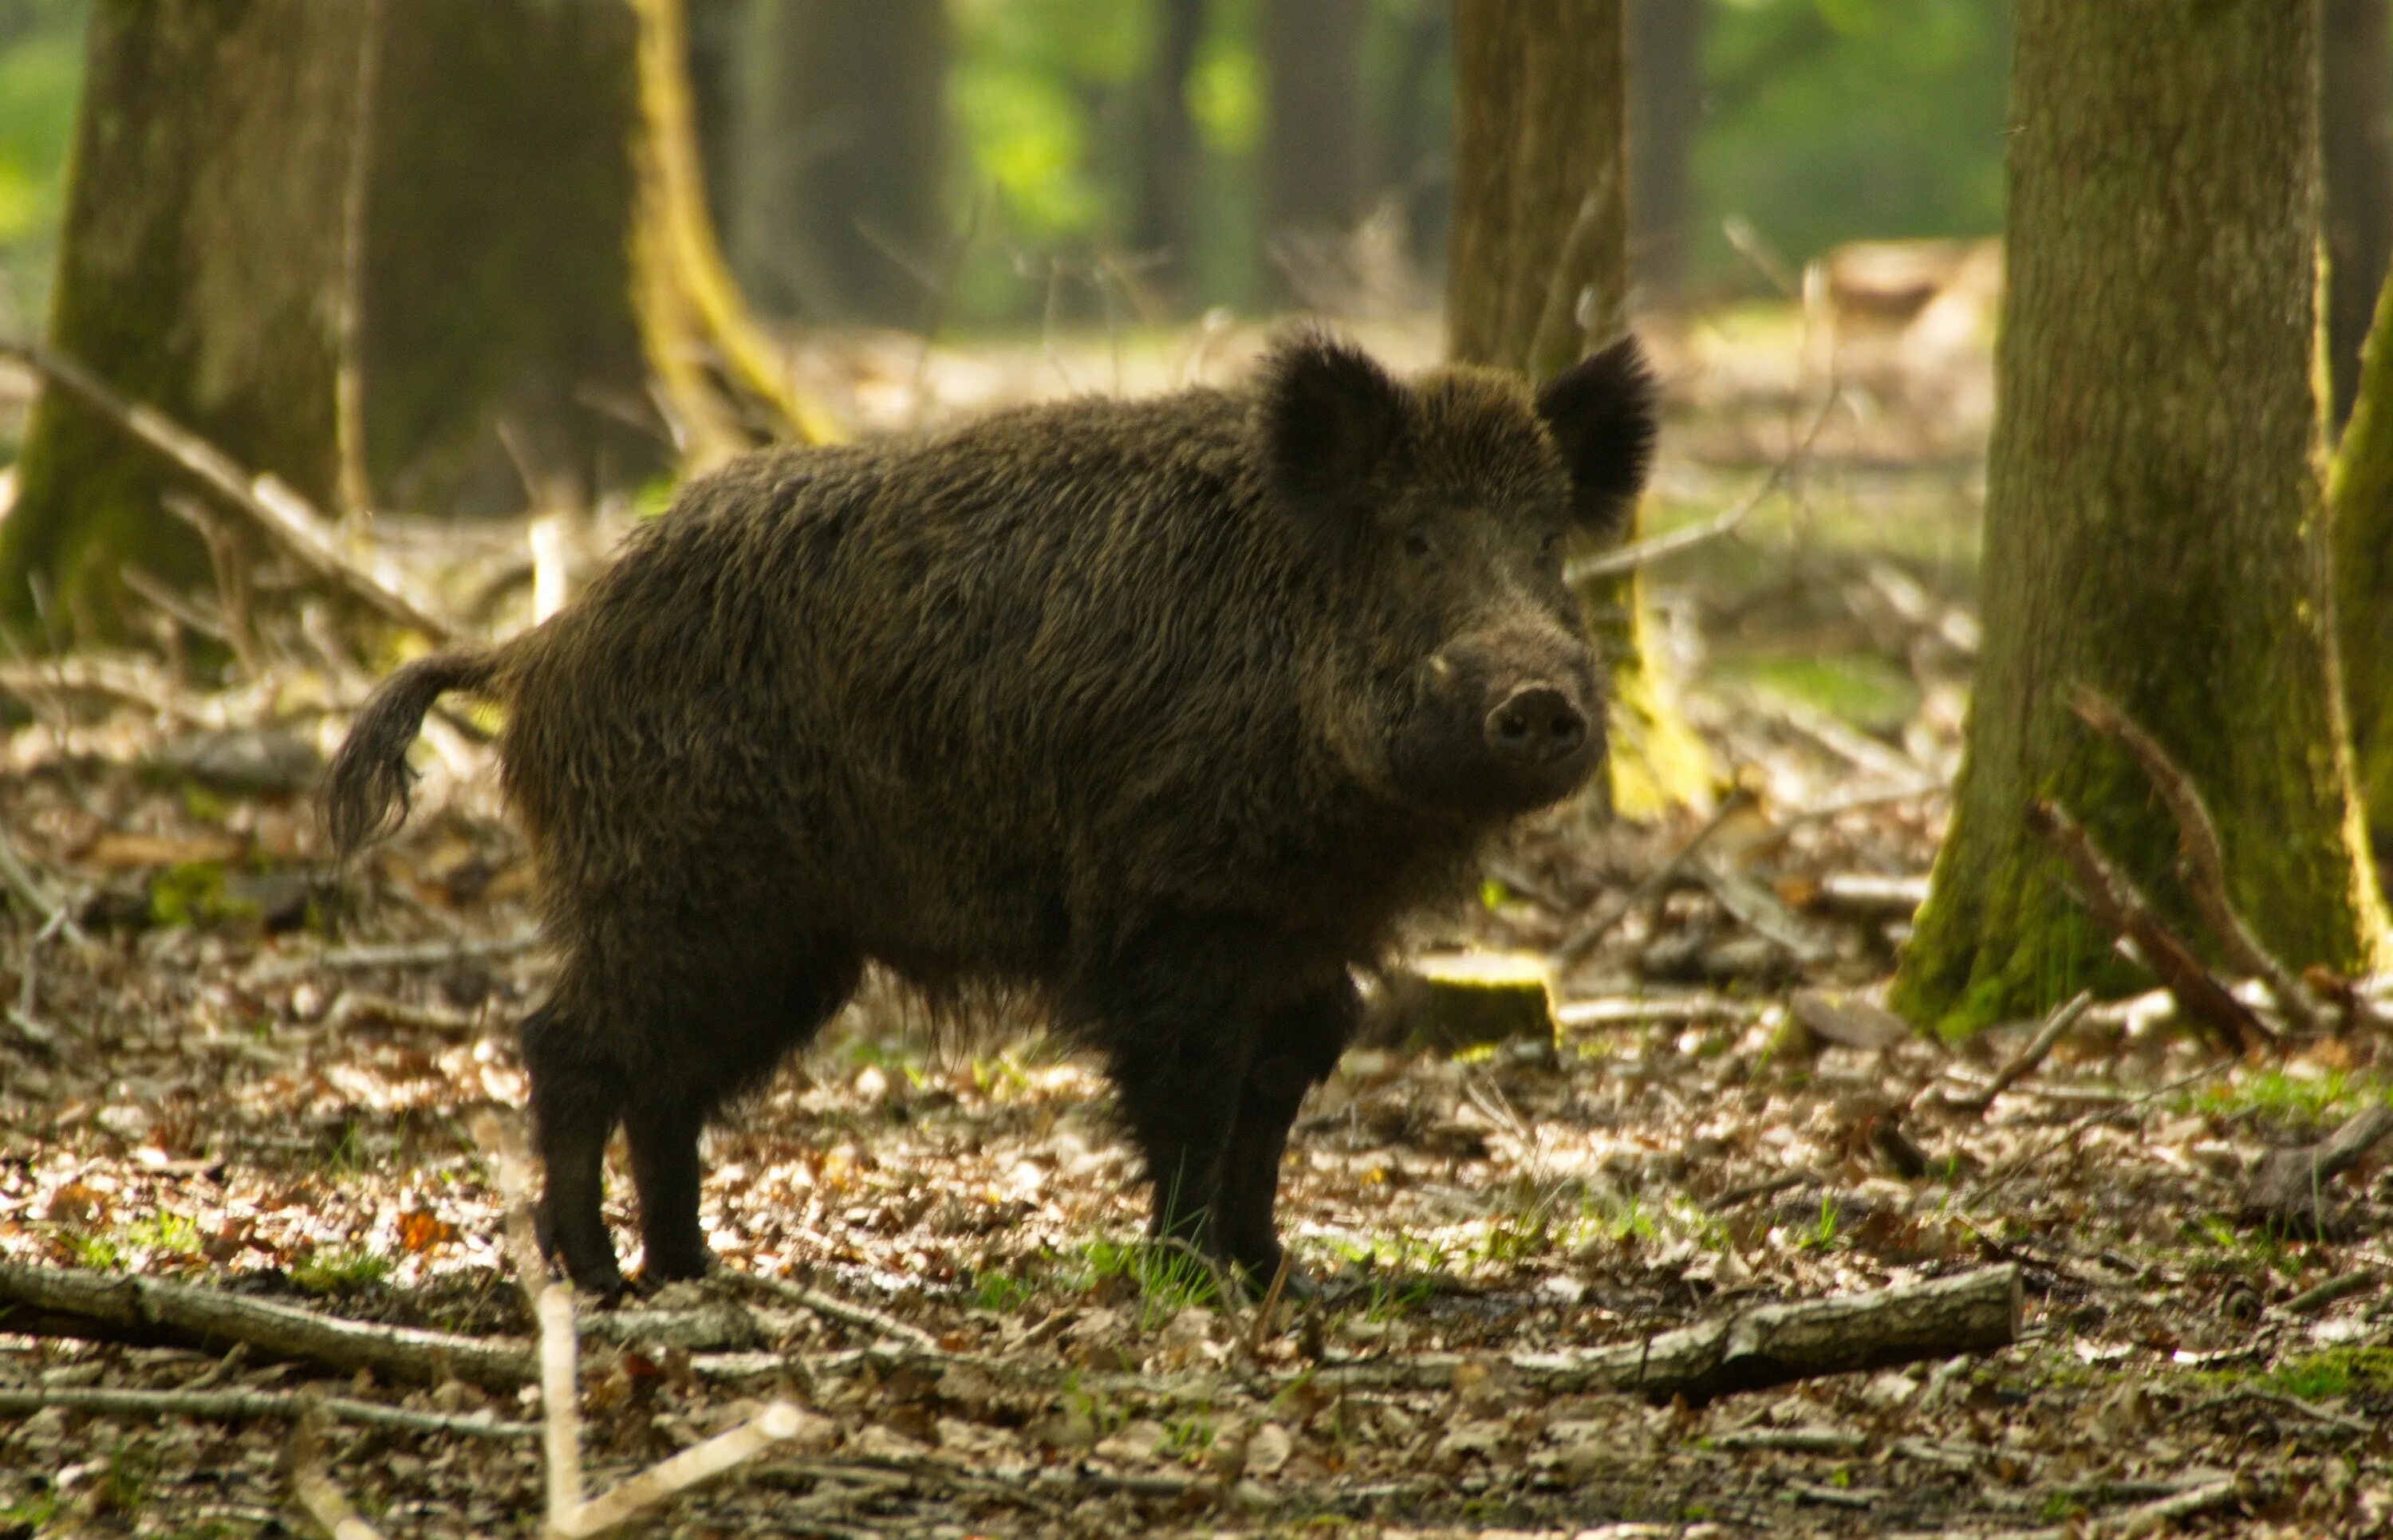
x=2356, y=117
x=404, y=254
x=850, y=161
x=2154, y=517
x=201, y=271
x=1538, y=269
x=2361, y=498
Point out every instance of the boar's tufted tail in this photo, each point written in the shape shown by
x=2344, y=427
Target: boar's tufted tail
x=366, y=791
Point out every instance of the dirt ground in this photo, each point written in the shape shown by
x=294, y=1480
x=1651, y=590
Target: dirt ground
x=224, y=1083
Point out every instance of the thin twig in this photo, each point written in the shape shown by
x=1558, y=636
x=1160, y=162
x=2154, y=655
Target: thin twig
x=830, y=1307
x=1645, y=552
x=21, y=882
x=1261, y=1332
x=2201, y=861
x=2068, y=1132
x=251, y=1407
x=2022, y=1063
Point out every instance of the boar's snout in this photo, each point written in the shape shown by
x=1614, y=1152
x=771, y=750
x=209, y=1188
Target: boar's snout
x=1502, y=723
x=1536, y=726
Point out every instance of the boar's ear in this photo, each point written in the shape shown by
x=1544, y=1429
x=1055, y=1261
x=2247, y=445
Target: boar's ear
x=1602, y=414
x=1330, y=417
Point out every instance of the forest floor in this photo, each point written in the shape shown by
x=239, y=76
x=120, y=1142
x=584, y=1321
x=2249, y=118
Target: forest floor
x=223, y=1084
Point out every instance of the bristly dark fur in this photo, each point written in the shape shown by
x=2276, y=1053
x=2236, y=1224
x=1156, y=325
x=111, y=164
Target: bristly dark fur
x=1076, y=702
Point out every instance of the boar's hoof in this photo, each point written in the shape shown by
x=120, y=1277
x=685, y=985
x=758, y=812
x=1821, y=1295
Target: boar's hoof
x=594, y=1274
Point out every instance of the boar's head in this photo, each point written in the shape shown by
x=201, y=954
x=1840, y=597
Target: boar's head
x=1457, y=677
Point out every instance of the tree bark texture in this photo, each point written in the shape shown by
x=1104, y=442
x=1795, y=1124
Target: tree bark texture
x=201, y=271
x=2361, y=498
x=719, y=30
x=1666, y=104
x=2154, y=517
x=1164, y=219
x=2355, y=121
x=848, y=207
x=1315, y=180
x=499, y=337
x=1538, y=270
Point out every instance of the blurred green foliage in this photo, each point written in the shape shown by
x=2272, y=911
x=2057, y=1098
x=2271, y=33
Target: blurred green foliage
x=41, y=66
x=1825, y=121
x=1840, y=120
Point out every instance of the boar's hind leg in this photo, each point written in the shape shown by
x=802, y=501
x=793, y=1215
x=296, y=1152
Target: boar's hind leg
x=576, y=1099
x=1299, y=1047
x=777, y=1005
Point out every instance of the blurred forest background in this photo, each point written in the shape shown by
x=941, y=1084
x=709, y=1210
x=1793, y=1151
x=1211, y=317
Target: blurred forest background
x=1141, y=152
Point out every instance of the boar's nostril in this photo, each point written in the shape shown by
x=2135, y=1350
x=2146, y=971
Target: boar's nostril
x=1537, y=725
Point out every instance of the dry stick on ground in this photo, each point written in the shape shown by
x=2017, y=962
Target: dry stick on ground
x=281, y=515
x=2288, y=1187
x=570, y=1515
x=1585, y=941
x=2019, y=1065
x=429, y=954
x=2343, y=1285
x=2200, y=860
x=832, y=1308
x=2068, y=1132
x=154, y=1312
x=2119, y=907
x=1753, y=1349
x=20, y=881
x=251, y=1407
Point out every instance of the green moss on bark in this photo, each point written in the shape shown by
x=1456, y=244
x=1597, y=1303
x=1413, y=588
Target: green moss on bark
x=2154, y=519
x=199, y=254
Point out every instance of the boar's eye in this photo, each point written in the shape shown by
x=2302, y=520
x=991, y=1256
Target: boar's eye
x=1417, y=545
x=1550, y=546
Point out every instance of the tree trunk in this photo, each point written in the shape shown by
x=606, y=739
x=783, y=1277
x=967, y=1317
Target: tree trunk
x=2355, y=119
x=499, y=337
x=1665, y=102
x=848, y=206
x=409, y=253
x=2154, y=523
x=718, y=39
x=2362, y=503
x=1539, y=269
x=1315, y=179
x=1164, y=222
x=201, y=271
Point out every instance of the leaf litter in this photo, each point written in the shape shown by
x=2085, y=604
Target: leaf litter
x=257, y=1076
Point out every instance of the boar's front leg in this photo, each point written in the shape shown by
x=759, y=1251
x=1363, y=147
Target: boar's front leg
x=1176, y=1018
x=1297, y=1047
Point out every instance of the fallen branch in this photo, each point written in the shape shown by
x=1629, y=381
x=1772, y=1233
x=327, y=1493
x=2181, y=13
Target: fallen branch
x=2289, y=1185
x=252, y=1406
x=2119, y=907
x=2020, y=1064
x=2201, y=861
x=2343, y=1285
x=570, y=1515
x=287, y=520
x=1753, y=1349
x=154, y=1312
